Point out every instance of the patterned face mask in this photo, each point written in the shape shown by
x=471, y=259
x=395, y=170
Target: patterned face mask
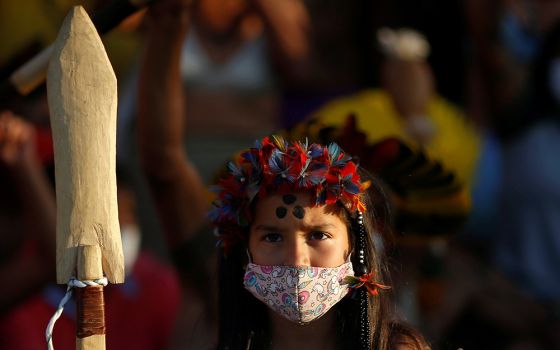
x=300, y=294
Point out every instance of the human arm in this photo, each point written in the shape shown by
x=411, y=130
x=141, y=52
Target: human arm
x=410, y=85
x=32, y=266
x=288, y=27
x=179, y=193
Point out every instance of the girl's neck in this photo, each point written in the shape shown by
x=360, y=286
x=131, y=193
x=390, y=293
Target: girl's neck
x=319, y=334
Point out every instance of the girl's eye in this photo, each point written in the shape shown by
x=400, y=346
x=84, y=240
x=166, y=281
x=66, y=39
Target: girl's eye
x=272, y=237
x=318, y=235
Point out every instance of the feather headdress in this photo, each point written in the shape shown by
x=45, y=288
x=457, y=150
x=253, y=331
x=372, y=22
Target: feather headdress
x=276, y=166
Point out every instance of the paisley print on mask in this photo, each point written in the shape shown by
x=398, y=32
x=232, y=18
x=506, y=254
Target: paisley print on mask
x=278, y=272
x=303, y=284
x=302, y=297
x=250, y=279
x=320, y=294
x=319, y=309
x=267, y=269
x=333, y=286
x=287, y=299
x=313, y=271
x=261, y=292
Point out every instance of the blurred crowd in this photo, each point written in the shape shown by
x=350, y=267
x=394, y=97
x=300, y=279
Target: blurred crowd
x=454, y=105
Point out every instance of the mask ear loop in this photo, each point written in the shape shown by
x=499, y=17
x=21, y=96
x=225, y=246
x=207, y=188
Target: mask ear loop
x=363, y=297
x=349, y=256
x=249, y=258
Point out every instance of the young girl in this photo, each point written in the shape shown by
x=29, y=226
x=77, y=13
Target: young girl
x=297, y=224
x=301, y=228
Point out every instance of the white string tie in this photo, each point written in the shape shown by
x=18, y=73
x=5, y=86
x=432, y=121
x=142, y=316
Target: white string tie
x=72, y=283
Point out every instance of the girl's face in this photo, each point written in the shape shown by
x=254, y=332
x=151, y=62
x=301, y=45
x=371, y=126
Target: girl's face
x=288, y=230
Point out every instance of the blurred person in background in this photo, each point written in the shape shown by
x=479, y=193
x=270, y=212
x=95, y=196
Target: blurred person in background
x=253, y=66
x=138, y=316
x=27, y=212
x=503, y=286
x=503, y=42
x=230, y=82
x=406, y=107
x=527, y=243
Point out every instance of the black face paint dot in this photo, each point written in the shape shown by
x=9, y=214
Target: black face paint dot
x=298, y=212
x=289, y=199
x=281, y=212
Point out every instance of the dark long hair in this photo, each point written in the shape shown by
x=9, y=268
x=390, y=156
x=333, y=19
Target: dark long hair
x=243, y=319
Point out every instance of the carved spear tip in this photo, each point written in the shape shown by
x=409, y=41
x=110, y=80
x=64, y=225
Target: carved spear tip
x=82, y=94
x=78, y=52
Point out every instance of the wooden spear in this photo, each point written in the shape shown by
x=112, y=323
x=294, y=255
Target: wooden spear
x=82, y=95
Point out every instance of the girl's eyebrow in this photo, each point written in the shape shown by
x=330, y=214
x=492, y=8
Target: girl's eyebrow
x=318, y=227
x=268, y=228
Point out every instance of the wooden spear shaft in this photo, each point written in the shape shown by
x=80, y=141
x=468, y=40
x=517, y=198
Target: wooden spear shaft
x=82, y=95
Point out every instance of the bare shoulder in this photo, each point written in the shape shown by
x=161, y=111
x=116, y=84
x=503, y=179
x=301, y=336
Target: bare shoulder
x=405, y=337
x=411, y=346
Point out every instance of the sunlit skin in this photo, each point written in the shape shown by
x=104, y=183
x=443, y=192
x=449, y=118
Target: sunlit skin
x=319, y=239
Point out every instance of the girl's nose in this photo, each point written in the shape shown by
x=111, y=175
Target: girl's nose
x=297, y=254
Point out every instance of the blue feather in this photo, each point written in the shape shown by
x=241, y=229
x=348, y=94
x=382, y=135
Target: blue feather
x=235, y=170
x=351, y=188
x=334, y=151
x=315, y=150
x=254, y=163
x=342, y=161
x=276, y=162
